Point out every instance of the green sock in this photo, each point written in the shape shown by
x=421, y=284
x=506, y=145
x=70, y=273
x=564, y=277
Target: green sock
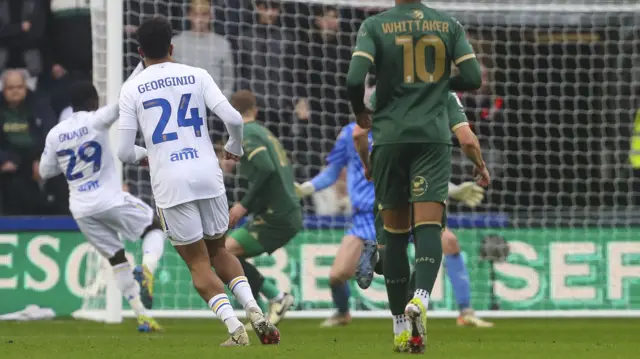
x=396, y=270
x=262, y=304
x=428, y=255
x=269, y=289
x=379, y=269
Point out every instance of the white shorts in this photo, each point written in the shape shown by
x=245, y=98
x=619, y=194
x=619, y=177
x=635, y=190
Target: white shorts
x=190, y=222
x=129, y=219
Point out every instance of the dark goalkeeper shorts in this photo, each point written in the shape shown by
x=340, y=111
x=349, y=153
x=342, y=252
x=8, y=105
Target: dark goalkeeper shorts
x=410, y=172
x=266, y=235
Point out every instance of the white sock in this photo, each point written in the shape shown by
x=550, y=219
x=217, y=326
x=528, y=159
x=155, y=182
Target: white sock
x=399, y=324
x=222, y=307
x=152, y=249
x=423, y=295
x=239, y=286
x=129, y=287
x=280, y=296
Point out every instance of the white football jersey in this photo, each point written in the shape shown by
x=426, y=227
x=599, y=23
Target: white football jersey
x=79, y=148
x=168, y=103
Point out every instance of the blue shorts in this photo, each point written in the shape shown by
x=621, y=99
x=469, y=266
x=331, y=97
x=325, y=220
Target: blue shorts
x=363, y=226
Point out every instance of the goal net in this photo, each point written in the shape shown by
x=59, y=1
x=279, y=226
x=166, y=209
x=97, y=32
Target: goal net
x=556, y=118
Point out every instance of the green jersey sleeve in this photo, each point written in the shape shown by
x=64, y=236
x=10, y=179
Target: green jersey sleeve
x=365, y=45
x=259, y=167
x=462, y=49
x=372, y=101
x=455, y=110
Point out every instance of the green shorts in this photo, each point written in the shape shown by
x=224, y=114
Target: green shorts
x=411, y=172
x=261, y=235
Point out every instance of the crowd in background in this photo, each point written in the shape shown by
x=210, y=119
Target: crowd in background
x=295, y=55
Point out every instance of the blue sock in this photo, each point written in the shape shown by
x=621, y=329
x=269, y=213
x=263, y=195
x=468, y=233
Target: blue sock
x=459, y=277
x=340, y=294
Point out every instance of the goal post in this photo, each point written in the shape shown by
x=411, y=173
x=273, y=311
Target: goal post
x=555, y=119
x=104, y=302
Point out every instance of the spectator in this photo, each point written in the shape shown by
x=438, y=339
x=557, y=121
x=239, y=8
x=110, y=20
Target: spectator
x=24, y=123
x=22, y=29
x=201, y=47
x=266, y=67
x=71, y=50
x=71, y=43
x=321, y=67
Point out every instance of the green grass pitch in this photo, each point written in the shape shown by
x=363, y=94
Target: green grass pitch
x=303, y=339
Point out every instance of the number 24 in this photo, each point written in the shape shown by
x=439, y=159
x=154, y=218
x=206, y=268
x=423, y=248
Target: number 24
x=195, y=121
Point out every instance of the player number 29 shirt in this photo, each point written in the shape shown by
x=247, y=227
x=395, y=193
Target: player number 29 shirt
x=168, y=103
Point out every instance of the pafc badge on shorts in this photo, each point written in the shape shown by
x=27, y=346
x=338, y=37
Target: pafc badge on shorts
x=418, y=186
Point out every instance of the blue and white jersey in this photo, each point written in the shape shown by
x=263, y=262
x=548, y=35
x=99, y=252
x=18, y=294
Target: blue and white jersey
x=168, y=103
x=79, y=148
x=344, y=154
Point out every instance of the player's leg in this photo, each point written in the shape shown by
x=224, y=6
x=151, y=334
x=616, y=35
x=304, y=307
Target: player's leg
x=391, y=178
x=343, y=268
x=215, y=222
x=183, y=226
x=430, y=172
x=153, y=240
x=258, y=237
x=459, y=278
x=135, y=219
x=106, y=241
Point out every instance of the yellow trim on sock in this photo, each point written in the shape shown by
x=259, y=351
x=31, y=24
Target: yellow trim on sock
x=397, y=231
x=428, y=223
x=219, y=304
x=235, y=281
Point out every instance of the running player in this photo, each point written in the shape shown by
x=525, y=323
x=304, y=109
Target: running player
x=345, y=153
x=270, y=198
x=411, y=158
x=166, y=101
x=468, y=193
x=79, y=148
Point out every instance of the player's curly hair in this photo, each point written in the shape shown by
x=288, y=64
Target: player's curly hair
x=83, y=96
x=154, y=37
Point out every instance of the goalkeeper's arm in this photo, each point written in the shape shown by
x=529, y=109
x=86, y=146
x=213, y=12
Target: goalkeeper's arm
x=324, y=179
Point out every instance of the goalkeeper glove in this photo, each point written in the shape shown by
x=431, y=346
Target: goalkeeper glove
x=304, y=189
x=468, y=193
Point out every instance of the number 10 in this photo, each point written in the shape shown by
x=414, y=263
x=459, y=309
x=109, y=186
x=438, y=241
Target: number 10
x=414, y=62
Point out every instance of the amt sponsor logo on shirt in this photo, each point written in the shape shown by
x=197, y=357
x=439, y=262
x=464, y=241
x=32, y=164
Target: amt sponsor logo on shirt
x=184, y=154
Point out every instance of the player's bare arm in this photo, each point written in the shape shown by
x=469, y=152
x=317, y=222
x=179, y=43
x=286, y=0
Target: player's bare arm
x=361, y=142
x=471, y=148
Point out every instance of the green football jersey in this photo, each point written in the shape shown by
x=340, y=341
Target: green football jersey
x=271, y=192
x=454, y=108
x=413, y=48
